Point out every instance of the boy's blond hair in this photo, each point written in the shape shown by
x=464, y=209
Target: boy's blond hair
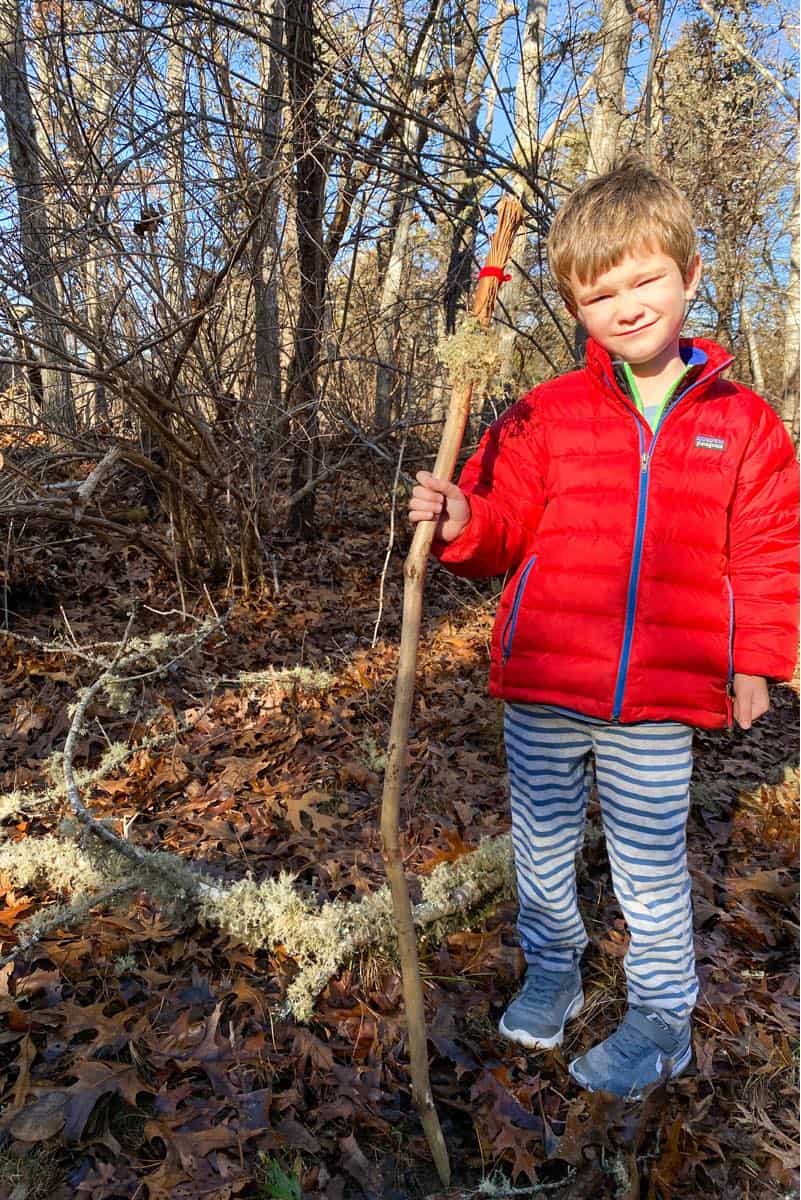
x=629, y=209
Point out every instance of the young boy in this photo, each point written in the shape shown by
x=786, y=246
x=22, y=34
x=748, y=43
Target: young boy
x=646, y=508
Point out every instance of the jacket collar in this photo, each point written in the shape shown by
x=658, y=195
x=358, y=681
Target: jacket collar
x=705, y=358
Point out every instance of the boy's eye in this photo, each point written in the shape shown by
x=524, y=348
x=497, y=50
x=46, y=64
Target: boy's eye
x=595, y=299
x=650, y=279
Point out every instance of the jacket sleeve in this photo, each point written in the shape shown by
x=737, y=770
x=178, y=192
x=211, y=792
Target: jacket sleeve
x=763, y=552
x=505, y=485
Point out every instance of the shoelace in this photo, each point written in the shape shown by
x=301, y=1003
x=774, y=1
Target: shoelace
x=541, y=991
x=629, y=1044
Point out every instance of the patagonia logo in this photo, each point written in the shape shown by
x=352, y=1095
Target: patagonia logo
x=709, y=443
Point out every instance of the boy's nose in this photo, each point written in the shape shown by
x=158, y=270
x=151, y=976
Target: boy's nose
x=629, y=310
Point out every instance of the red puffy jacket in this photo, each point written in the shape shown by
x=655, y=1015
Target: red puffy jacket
x=646, y=567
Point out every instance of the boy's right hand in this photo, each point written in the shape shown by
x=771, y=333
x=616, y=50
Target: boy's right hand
x=438, y=500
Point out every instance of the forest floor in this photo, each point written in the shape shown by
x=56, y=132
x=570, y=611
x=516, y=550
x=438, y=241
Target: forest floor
x=160, y=1038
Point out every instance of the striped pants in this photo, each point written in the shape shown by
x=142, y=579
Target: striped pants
x=643, y=777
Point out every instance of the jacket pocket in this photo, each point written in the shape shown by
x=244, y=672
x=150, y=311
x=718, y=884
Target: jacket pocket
x=730, y=591
x=730, y=666
x=508, y=631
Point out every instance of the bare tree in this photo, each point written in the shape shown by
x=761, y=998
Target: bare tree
x=53, y=384
x=609, y=113
x=175, y=156
x=302, y=397
x=266, y=265
x=411, y=139
x=790, y=374
x=528, y=95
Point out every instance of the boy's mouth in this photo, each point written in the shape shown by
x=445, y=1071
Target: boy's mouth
x=639, y=329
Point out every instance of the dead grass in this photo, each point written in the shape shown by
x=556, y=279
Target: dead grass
x=33, y=1176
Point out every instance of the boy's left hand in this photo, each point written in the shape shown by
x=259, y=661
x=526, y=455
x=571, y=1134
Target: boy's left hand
x=751, y=699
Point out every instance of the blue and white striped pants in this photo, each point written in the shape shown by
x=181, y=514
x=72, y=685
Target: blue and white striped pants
x=643, y=777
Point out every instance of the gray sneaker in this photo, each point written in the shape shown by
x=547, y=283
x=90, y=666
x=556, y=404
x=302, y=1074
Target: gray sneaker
x=641, y=1051
x=549, y=999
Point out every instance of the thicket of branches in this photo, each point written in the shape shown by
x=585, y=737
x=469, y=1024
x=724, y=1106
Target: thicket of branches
x=235, y=231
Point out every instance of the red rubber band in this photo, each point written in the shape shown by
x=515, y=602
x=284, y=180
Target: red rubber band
x=495, y=273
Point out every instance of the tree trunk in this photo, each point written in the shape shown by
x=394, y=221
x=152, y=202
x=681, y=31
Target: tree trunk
x=724, y=274
x=99, y=82
x=387, y=377
x=15, y=97
x=790, y=374
x=302, y=398
x=389, y=309
x=528, y=94
x=175, y=94
x=754, y=357
x=267, y=349
x=463, y=156
x=654, y=98
x=610, y=86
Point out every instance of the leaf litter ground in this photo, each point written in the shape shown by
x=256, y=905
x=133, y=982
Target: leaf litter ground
x=141, y=1054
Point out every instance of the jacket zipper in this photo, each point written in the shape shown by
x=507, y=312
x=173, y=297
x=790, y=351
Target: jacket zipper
x=634, y=576
x=639, y=531
x=508, y=633
x=730, y=677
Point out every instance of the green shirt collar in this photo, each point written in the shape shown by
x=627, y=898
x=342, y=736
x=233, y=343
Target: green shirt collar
x=635, y=391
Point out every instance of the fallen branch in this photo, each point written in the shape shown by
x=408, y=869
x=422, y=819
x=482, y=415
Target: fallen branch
x=64, y=916
x=147, y=862
x=283, y=679
x=261, y=915
x=322, y=940
x=83, y=489
x=265, y=914
x=47, y=510
x=87, y=488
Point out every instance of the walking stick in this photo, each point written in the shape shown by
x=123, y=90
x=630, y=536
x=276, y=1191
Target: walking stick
x=510, y=215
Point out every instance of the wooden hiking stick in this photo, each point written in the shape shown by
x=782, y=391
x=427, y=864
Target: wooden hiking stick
x=510, y=215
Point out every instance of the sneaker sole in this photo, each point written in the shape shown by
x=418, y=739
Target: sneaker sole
x=534, y=1043
x=681, y=1063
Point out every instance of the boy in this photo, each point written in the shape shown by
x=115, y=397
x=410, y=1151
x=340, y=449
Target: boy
x=647, y=510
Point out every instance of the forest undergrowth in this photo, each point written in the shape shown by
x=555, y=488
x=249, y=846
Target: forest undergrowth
x=144, y=1054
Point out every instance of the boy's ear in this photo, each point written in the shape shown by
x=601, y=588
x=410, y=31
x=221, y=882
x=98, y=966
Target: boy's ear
x=693, y=278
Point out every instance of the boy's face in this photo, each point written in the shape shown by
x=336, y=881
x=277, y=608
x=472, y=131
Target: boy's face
x=636, y=308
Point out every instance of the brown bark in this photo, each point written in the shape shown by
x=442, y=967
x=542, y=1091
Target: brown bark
x=610, y=86
x=175, y=95
x=267, y=350
x=527, y=148
x=790, y=374
x=24, y=155
x=302, y=392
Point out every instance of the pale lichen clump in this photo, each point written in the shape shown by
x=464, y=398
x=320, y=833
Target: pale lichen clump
x=113, y=757
x=260, y=914
x=471, y=355
x=151, y=657
x=14, y=803
x=17, y=803
x=322, y=940
x=60, y=916
x=57, y=863
x=310, y=679
x=341, y=930
x=454, y=888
